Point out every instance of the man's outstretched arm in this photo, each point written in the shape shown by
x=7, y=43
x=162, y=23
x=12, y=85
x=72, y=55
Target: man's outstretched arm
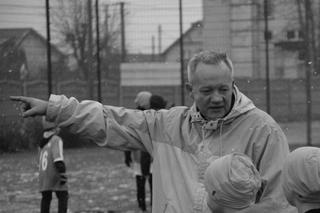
x=109, y=126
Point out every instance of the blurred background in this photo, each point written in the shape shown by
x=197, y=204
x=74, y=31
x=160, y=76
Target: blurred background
x=110, y=50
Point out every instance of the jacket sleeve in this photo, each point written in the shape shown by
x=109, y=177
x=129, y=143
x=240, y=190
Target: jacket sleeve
x=109, y=126
x=60, y=166
x=270, y=154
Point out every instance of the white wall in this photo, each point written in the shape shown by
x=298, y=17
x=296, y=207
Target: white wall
x=150, y=74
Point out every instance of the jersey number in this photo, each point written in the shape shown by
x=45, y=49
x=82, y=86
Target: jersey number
x=44, y=160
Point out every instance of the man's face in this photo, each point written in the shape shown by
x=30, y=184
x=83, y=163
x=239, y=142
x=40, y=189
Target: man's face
x=211, y=90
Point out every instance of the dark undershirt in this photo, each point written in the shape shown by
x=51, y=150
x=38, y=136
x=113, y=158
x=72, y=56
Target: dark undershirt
x=313, y=211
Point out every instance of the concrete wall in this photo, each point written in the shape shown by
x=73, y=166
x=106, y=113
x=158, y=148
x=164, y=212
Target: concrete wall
x=216, y=25
x=156, y=74
x=36, y=54
x=237, y=27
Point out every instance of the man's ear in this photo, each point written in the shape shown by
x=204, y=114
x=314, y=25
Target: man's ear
x=189, y=89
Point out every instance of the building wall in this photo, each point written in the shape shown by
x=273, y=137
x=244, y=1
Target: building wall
x=283, y=18
x=216, y=25
x=140, y=74
x=158, y=78
x=230, y=26
x=237, y=27
x=36, y=54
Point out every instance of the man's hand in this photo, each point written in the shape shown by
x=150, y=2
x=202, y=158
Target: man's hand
x=31, y=106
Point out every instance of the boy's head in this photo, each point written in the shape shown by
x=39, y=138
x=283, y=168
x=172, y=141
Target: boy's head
x=232, y=183
x=157, y=102
x=301, y=176
x=142, y=100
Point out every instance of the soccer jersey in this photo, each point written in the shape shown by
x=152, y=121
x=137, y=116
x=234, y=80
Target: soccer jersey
x=49, y=178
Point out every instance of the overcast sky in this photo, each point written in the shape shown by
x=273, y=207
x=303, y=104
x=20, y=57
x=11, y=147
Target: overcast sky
x=142, y=21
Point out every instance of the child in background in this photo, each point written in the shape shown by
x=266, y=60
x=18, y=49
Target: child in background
x=232, y=183
x=140, y=161
x=52, y=169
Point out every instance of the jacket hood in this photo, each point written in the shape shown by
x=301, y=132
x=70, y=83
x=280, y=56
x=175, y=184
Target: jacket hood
x=241, y=105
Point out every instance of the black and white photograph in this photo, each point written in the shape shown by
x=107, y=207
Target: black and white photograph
x=168, y=106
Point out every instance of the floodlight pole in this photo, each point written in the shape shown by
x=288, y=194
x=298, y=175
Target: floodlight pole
x=49, y=71
x=266, y=37
x=181, y=53
x=98, y=52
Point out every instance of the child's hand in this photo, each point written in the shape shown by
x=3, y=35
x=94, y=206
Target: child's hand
x=31, y=106
x=63, y=178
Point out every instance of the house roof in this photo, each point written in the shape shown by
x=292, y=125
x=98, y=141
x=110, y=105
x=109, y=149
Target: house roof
x=139, y=57
x=15, y=37
x=193, y=26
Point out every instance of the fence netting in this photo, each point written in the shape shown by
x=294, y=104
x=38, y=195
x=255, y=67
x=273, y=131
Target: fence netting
x=110, y=50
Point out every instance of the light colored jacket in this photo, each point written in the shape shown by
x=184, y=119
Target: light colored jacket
x=182, y=144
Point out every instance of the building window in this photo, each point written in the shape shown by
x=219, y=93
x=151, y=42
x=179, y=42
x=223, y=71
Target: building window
x=290, y=34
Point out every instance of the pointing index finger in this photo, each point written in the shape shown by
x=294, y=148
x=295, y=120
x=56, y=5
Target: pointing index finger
x=19, y=98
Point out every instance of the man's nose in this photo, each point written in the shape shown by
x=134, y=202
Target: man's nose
x=216, y=97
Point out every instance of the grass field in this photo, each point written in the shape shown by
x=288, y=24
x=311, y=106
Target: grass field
x=98, y=178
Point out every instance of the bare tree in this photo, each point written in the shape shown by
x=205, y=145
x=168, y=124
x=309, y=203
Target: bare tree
x=72, y=23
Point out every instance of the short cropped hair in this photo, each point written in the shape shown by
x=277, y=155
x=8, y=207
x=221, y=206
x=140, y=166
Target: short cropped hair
x=208, y=57
x=157, y=102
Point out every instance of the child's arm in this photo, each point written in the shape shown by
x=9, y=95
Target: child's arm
x=58, y=158
x=61, y=168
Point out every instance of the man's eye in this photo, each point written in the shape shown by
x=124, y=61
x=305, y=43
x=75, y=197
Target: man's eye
x=205, y=91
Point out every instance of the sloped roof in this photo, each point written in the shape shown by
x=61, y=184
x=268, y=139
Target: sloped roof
x=194, y=25
x=140, y=57
x=17, y=35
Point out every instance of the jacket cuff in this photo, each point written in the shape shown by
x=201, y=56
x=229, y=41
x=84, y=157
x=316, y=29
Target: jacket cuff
x=53, y=107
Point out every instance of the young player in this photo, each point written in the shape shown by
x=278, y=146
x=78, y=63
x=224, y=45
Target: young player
x=232, y=183
x=301, y=179
x=52, y=169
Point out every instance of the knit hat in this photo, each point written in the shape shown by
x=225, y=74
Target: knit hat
x=232, y=181
x=301, y=175
x=157, y=102
x=143, y=99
